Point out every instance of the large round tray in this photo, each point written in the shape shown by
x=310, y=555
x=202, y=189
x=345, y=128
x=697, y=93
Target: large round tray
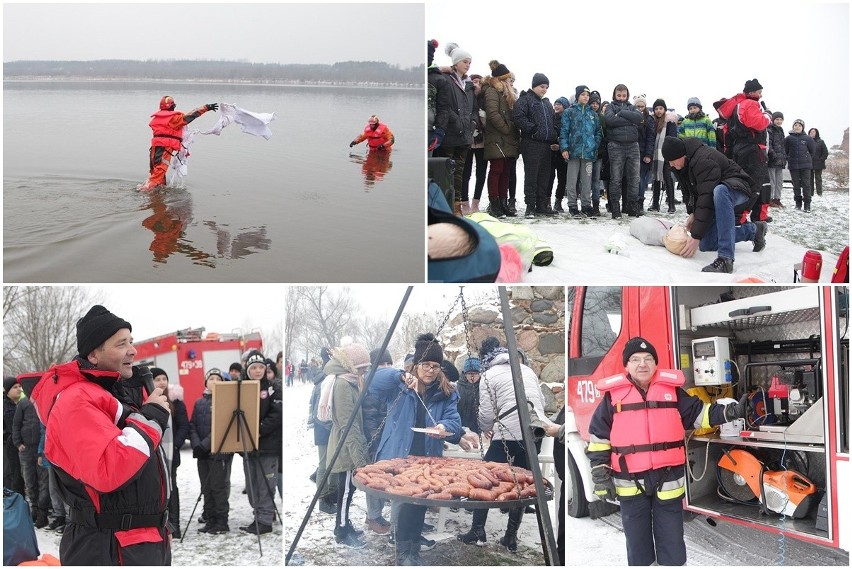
x=456, y=502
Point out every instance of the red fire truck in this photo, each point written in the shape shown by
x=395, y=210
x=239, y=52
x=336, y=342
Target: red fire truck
x=186, y=355
x=782, y=469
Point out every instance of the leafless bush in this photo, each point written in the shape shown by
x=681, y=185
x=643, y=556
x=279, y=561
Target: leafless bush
x=838, y=168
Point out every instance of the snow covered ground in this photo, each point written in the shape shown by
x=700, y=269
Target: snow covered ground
x=235, y=548
x=580, y=255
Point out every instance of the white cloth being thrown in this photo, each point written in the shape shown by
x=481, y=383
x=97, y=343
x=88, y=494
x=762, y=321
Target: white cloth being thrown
x=250, y=122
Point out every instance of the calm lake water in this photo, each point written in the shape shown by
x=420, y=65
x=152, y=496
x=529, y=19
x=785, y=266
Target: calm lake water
x=300, y=207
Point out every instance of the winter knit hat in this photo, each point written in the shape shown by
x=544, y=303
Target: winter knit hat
x=472, y=364
x=638, y=98
x=659, y=103
x=211, y=371
x=777, y=115
x=456, y=53
x=489, y=344
x=673, y=148
x=579, y=90
x=255, y=358
x=236, y=366
x=562, y=101
x=427, y=349
x=540, y=79
x=801, y=122
x=9, y=382
x=353, y=356
x=451, y=372
x=594, y=96
x=752, y=85
x=155, y=371
x=694, y=101
x=498, y=70
x=384, y=359
x=430, y=51
x=636, y=345
x=96, y=327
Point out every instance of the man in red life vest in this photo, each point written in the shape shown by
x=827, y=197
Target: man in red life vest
x=376, y=133
x=167, y=124
x=637, y=452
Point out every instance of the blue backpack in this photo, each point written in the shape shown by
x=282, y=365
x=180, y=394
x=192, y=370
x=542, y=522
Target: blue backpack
x=480, y=266
x=19, y=537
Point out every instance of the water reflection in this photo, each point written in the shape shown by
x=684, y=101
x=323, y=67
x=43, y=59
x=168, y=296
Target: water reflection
x=171, y=215
x=374, y=166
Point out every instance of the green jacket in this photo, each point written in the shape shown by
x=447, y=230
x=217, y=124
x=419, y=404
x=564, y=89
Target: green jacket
x=502, y=137
x=354, y=453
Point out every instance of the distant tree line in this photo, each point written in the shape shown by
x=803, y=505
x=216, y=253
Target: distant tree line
x=346, y=72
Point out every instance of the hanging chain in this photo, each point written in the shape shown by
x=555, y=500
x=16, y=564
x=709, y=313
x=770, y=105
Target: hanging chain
x=470, y=347
x=401, y=392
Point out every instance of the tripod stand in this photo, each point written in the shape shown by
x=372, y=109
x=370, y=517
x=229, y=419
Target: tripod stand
x=245, y=443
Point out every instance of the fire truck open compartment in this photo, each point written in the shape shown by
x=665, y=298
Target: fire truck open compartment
x=776, y=354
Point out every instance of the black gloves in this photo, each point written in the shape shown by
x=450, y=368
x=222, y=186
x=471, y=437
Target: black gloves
x=351, y=144
x=212, y=106
x=604, y=486
x=737, y=410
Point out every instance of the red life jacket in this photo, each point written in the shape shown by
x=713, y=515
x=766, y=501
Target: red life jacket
x=647, y=433
x=165, y=135
x=375, y=138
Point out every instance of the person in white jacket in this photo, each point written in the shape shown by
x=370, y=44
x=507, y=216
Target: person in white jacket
x=498, y=414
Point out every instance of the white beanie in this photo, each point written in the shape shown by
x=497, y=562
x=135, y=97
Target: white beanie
x=456, y=53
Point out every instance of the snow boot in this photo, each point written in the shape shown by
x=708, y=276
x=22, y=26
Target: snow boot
x=495, y=208
x=596, y=208
x=615, y=208
x=557, y=206
x=344, y=536
x=655, y=198
x=476, y=535
x=507, y=209
x=41, y=520
x=512, y=207
x=403, y=554
x=759, y=235
x=58, y=522
x=510, y=538
x=670, y=201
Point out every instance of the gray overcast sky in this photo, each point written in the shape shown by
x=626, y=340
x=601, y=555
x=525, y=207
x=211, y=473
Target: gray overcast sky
x=798, y=50
x=259, y=33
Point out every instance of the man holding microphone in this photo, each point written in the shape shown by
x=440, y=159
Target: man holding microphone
x=105, y=438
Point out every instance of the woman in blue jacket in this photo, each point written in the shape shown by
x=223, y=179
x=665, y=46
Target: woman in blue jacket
x=422, y=398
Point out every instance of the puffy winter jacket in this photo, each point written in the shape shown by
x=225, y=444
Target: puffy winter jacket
x=821, y=152
x=502, y=137
x=269, y=431
x=581, y=133
x=460, y=124
x=705, y=169
x=699, y=126
x=497, y=398
x=776, y=146
x=535, y=117
x=26, y=428
x=800, y=150
x=469, y=404
x=622, y=122
x=397, y=436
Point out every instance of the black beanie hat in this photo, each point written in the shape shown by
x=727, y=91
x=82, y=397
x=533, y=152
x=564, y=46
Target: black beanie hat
x=430, y=51
x=579, y=90
x=659, y=103
x=638, y=344
x=777, y=115
x=594, y=96
x=451, y=372
x=673, y=148
x=384, y=359
x=155, y=371
x=498, y=70
x=427, y=349
x=211, y=371
x=9, y=382
x=752, y=85
x=488, y=345
x=540, y=79
x=96, y=327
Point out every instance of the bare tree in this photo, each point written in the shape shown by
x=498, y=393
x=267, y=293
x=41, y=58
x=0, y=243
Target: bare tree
x=323, y=316
x=39, y=325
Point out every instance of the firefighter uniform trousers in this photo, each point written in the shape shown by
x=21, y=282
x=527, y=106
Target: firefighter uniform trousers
x=653, y=528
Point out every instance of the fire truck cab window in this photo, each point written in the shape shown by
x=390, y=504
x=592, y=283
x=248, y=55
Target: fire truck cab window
x=601, y=320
